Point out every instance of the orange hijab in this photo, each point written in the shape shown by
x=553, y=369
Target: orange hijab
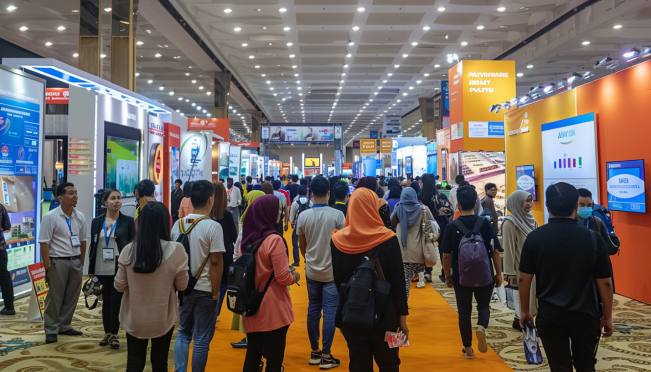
x=368, y=231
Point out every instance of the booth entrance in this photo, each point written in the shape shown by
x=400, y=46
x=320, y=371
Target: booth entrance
x=55, y=168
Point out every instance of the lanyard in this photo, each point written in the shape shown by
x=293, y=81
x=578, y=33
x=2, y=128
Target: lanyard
x=69, y=226
x=319, y=205
x=107, y=237
x=342, y=203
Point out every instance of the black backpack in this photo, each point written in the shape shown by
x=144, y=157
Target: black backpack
x=242, y=297
x=364, y=297
x=184, y=239
x=301, y=208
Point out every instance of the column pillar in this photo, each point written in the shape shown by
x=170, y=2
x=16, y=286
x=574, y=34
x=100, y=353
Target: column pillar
x=89, y=37
x=427, y=115
x=123, y=44
x=222, y=88
x=256, y=119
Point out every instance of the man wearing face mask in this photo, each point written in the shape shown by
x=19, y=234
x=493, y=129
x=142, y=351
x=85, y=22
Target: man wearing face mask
x=586, y=218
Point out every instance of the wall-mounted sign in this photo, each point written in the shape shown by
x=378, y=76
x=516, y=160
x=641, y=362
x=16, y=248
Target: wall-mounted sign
x=626, y=187
x=337, y=132
x=373, y=134
x=156, y=163
x=57, y=96
x=356, y=144
x=220, y=127
x=456, y=131
x=485, y=129
x=368, y=146
x=386, y=145
x=264, y=133
x=245, y=144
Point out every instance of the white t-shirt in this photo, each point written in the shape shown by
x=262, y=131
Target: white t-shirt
x=317, y=224
x=206, y=237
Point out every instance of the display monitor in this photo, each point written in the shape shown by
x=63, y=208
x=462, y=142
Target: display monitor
x=626, y=186
x=312, y=162
x=526, y=179
x=122, y=160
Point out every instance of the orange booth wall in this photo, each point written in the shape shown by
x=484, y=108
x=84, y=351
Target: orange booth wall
x=620, y=102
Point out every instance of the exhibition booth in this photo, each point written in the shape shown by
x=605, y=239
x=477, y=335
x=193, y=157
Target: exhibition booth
x=592, y=136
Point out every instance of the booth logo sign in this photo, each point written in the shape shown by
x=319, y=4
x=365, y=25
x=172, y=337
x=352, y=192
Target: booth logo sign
x=524, y=126
x=566, y=137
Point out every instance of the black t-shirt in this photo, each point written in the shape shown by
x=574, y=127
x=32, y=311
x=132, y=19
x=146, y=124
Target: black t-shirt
x=561, y=254
x=452, y=239
x=292, y=189
x=340, y=207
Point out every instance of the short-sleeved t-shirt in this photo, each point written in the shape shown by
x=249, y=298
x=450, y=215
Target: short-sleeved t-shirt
x=317, y=224
x=206, y=237
x=562, y=256
x=282, y=198
x=452, y=239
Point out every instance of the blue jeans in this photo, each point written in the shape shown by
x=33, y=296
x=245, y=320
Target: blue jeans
x=198, y=315
x=222, y=293
x=322, y=296
x=297, y=255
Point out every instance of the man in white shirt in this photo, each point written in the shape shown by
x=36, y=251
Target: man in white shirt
x=198, y=312
x=234, y=201
x=63, y=238
x=284, y=210
x=314, y=230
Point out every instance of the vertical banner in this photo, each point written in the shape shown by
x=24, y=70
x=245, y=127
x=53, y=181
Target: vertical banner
x=234, y=162
x=246, y=163
x=39, y=285
x=445, y=91
x=155, y=157
x=194, y=148
x=172, y=159
x=224, y=153
x=338, y=164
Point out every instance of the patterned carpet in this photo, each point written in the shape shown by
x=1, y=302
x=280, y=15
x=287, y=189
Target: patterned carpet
x=23, y=348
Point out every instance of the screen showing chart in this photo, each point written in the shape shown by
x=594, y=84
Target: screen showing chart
x=122, y=164
x=526, y=180
x=626, y=186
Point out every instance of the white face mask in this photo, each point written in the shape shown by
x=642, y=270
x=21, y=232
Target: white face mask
x=303, y=200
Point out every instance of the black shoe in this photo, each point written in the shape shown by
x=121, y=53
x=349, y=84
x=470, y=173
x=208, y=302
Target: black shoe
x=105, y=340
x=295, y=264
x=330, y=362
x=315, y=358
x=239, y=345
x=50, y=339
x=442, y=279
x=114, y=342
x=516, y=324
x=6, y=311
x=72, y=332
x=428, y=278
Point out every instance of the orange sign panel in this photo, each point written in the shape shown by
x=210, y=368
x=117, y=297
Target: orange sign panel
x=218, y=126
x=368, y=146
x=386, y=146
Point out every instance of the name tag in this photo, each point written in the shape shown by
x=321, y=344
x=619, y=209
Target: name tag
x=75, y=241
x=108, y=254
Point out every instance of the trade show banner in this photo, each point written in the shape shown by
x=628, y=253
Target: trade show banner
x=301, y=134
x=368, y=147
x=220, y=127
x=57, y=96
x=194, y=148
x=21, y=130
x=392, y=127
x=224, y=152
x=155, y=158
x=234, y=162
x=338, y=163
x=40, y=289
x=570, y=154
x=172, y=157
x=445, y=91
x=386, y=146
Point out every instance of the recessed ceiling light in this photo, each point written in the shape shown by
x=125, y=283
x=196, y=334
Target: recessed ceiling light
x=586, y=43
x=480, y=27
x=107, y=10
x=426, y=28
x=237, y=29
x=390, y=74
x=158, y=55
x=263, y=75
x=617, y=27
x=287, y=28
x=351, y=43
x=405, y=55
x=162, y=87
x=294, y=66
x=355, y=28
x=464, y=43
x=290, y=44
x=194, y=81
x=441, y=9
x=139, y=42
x=259, y=10
x=48, y=43
x=149, y=81
x=24, y=28
x=519, y=74
x=529, y=66
x=76, y=55
x=245, y=44
x=251, y=57
x=228, y=10
x=396, y=66
x=61, y=28
x=75, y=10
x=257, y=66
x=349, y=55
x=201, y=88
x=264, y=27
x=102, y=56
x=360, y=9
x=282, y=10
x=501, y=9
x=171, y=92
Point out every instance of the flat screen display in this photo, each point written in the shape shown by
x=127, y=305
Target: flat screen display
x=626, y=186
x=312, y=162
x=122, y=160
x=526, y=179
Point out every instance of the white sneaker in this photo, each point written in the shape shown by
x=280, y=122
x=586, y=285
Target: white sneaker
x=420, y=285
x=481, y=339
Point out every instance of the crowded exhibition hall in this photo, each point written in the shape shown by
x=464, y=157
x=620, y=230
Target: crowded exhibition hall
x=302, y=185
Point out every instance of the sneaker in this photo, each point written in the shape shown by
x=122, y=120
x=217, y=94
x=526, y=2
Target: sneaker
x=6, y=311
x=428, y=278
x=105, y=340
x=420, y=285
x=481, y=339
x=72, y=332
x=442, y=278
x=468, y=355
x=114, y=342
x=50, y=339
x=316, y=357
x=239, y=345
x=296, y=264
x=330, y=362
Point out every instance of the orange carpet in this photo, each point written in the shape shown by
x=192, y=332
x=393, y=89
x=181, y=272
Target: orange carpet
x=435, y=342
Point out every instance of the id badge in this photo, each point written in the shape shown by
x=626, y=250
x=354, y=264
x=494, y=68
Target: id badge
x=108, y=254
x=75, y=241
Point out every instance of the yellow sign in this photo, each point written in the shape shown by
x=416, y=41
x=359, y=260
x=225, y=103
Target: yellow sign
x=386, y=146
x=368, y=146
x=312, y=162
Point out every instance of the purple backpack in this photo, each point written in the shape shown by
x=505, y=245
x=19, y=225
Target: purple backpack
x=474, y=264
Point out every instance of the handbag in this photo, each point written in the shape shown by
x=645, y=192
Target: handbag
x=429, y=232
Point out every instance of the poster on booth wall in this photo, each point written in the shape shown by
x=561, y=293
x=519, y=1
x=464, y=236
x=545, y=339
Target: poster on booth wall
x=570, y=154
x=456, y=131
x=224, y=151
x=155, y=158
x=234, y=162
x=480, y=168
x=194, y=147
x=626, y=186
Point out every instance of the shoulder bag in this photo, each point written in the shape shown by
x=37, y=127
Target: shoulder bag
x=429, y=231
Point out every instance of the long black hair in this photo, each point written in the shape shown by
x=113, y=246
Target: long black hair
x=427, y=192
x=153, y=226
x=187, y=188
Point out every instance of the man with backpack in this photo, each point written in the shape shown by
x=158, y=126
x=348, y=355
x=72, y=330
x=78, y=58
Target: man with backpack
x=470, y=250
x=596, y=221
x=314, y=229
x=204, y=243
x=301, y=204
x=573, y=284
x=234, y=200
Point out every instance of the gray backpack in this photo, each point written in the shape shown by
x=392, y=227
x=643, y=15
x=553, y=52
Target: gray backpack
x=474, y=263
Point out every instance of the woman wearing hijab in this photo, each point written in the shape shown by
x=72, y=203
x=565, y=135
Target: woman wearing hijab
x=266, y=330
x=392, y=182
x=406, y=218
x=416, y=186
x=250, y=197
x=364, y=231
x=394, y=197
x=515, y=229
x=382, y=206
x=256, y=187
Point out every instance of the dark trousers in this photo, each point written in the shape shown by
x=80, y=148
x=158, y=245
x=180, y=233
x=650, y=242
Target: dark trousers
x=364, y=346
x=297, y=254
x=137, y=352
x=6, y=286
x=111, y=302
x=270, y=344
x=222, y=293
x=569, y=338
x=464, y=306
